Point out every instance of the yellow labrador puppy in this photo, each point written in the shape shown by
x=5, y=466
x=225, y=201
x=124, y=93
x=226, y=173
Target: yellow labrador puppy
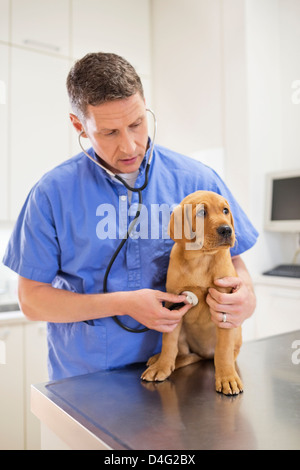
x=203, y=230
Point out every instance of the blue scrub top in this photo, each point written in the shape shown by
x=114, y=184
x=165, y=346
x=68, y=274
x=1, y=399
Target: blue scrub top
x=71, y=224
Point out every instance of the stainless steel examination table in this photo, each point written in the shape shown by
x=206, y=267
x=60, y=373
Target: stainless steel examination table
x=116, y=410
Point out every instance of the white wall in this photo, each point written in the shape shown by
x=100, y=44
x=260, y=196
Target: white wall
x=223, y=72
x=264, y=117
x=272, y=51
x=235, y=100
x=289, y=34
x=187, y=73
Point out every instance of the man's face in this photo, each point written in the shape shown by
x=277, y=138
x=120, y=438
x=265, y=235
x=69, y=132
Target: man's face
x=118, y=132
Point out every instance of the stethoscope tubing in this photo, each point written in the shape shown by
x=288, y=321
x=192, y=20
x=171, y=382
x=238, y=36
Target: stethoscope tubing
x=133, y=222
x=114, y=256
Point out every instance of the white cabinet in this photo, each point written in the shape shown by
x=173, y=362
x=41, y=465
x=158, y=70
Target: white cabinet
x=4, y=113
x=35, y=344
x=23, y=361
x=41, y=25
x=11, y=388
x=43, y=38
x=40, y=127
x=278, y=305
x=118, y=26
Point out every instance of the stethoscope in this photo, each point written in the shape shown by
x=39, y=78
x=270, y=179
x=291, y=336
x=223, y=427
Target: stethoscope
x=134, y=221
x=190, y=296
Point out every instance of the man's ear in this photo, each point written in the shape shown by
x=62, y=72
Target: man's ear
x=77, y=125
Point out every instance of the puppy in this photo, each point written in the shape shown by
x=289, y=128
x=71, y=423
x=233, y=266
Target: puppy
x=203, y=230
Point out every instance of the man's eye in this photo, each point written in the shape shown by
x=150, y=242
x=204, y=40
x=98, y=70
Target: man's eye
x=110, y=133
x=225, y=210
x=201, y=213
x=135, y=125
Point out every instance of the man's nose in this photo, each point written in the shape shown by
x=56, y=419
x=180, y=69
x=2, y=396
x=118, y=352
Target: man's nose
x=127, y=144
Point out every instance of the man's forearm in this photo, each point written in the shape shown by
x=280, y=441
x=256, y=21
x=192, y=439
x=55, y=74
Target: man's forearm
x=243, y=274
x=42, y=302
x=242, y=271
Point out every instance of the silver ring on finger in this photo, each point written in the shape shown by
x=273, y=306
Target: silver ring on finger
x=224, y=317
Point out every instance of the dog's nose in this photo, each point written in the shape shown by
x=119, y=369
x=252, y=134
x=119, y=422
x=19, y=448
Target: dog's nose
x=225, y=231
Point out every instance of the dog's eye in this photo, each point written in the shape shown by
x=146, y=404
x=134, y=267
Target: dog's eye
x=201, y=213
x=225, y=210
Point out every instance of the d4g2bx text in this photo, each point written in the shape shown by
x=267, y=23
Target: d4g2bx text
x=171, y=459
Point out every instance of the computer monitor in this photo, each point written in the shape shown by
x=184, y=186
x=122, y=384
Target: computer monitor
x=283, y=201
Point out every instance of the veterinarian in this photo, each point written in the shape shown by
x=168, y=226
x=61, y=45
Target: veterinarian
x=60, y=251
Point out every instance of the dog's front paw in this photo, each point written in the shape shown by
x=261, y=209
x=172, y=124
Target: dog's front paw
x=229, y=384
x=157, y=372
x=153, y=359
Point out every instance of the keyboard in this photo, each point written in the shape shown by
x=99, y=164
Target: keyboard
x=285, y=270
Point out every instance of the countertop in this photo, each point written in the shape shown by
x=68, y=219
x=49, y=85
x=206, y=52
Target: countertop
x=116, y=410
x=10, y=313
x=264, y=280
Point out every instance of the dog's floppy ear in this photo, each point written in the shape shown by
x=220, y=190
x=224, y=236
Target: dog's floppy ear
x=231, y=220
x=175, y=224
x=231, y=216
x=189, y=224
x=232, y=223
x=181, y=223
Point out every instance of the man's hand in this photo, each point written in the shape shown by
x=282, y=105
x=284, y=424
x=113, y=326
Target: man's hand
x=146, y=306
x=237, y=305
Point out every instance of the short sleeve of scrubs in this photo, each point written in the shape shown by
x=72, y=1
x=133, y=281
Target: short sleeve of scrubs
x=33, y=251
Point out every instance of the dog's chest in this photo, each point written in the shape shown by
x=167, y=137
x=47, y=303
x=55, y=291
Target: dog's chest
x=200, y=336
x=192, y=273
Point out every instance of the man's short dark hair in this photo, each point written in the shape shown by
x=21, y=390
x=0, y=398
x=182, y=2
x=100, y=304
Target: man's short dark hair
x=100, y=77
